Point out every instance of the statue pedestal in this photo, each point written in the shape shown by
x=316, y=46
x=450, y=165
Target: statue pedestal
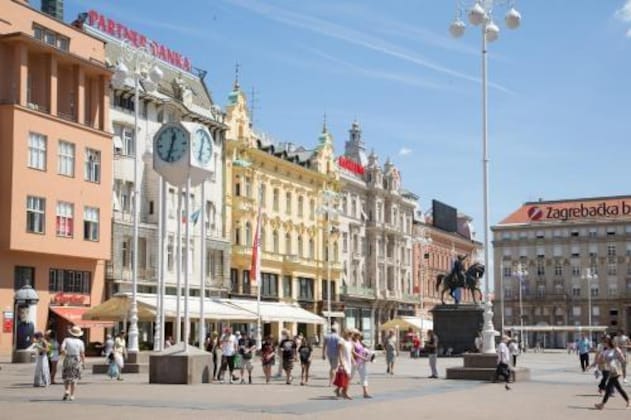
x=180, y=365
x=481, y=367
x=457, y=326
x=22, y=356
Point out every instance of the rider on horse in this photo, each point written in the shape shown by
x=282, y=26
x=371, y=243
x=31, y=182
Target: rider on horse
x=457, y=270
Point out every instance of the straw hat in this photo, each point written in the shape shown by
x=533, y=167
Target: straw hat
x=75, y=331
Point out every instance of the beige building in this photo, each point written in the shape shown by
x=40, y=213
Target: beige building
x=290, y=180
x=575, y=257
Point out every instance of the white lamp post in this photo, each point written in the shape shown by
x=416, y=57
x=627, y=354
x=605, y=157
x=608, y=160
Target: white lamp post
x=329, y=201
x=520, y=272
x=143, y=70
x=589, y=275
x=481, y=14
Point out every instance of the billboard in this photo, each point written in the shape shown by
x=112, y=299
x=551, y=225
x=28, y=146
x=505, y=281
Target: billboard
x=444, y=217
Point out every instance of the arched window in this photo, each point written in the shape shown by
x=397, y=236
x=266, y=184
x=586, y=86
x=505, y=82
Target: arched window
x=263, y=196
x=300, y=246
x=237, y=235
x=312, y=209
x=275, y=241
x=276, y=198
x=288, y=243
x=288, y=203
x=248, y=234
x=335, y=252
x=300, y=206
x=311, y=248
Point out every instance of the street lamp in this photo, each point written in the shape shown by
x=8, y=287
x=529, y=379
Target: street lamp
x=481, y=14
x=328, y=208
x=139, y=65
x=589, y=275
x=520, y=272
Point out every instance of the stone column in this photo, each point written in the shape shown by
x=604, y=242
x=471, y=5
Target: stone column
x=52, y=89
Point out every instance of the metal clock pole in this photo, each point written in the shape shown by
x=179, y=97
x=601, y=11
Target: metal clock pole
x=202, y=280
x=187, y=264
x=178, y=312
x=157, y=335
x=163, y=221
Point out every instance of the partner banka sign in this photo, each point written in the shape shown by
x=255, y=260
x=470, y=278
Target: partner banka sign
x=582, y=211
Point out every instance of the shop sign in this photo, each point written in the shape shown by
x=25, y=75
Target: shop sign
x=116, y=29
x=601, y=210
x=70, y=299
x=7, y=322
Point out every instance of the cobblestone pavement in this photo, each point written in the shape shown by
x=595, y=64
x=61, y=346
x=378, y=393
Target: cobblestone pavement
x=557, y=390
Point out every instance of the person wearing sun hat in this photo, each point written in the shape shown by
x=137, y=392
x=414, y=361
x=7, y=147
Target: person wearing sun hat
x=73, y=350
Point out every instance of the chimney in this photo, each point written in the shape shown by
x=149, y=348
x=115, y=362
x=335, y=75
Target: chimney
x=54, y=8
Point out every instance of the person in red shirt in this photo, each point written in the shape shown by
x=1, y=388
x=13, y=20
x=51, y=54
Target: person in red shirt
x=416, y=345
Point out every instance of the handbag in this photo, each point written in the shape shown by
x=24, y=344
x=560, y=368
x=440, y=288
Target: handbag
x=341, y=378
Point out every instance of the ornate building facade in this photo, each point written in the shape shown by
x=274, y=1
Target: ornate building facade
x=287, y=182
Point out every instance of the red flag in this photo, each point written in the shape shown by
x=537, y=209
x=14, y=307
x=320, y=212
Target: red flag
x=255, y=266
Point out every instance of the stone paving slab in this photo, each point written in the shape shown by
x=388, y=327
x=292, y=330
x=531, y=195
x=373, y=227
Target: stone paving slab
x=558, y=390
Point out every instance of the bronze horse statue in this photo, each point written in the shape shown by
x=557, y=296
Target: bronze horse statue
x=471, y=281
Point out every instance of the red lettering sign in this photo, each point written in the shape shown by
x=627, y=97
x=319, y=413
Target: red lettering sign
x=120, y=31
x=351, y=165
x=71, y=299
x=7, y=322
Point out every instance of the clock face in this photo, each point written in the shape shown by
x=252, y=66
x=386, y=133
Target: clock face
x=202, y=147
x=172, y=144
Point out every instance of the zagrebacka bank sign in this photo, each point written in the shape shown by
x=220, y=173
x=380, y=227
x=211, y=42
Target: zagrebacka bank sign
x=601, y=210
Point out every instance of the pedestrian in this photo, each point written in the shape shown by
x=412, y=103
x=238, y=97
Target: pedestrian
x=229, y=347
x=584, y=346
x=391, y=352
x=268, y=357
x=214, y=348
x=247, y=348
x=345, y=367
x=416, y=345
x=601, y=365
x=288, y=351
x=614, y=358
x=431, y=348
x=622, y=342
x=108, y=347
x=42, y=370
x=513, y=348
x=361, y=356
x=299, y=339
x=503, y=361
x=119, y=355
x=53, y=353
x=305, y=351
x=73, y=350
x=330, y=351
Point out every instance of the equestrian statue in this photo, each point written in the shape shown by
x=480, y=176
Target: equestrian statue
x=458, y=277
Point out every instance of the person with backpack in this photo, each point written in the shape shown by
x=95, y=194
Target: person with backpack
x=288, y=353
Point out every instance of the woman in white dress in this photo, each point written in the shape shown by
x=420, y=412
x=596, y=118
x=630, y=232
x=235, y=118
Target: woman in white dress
x=345, y=368
x=119, y=354
x=42, y=370
x=73, y=351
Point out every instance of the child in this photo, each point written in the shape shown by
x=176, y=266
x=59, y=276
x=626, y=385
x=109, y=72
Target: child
x=305, y=351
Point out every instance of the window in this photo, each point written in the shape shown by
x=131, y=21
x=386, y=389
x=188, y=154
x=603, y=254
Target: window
x=507, y=272
x=575, y=251
x=344, y=242
x=64, y=221
x=23, y=276
x=35, y=214
x=287, y=283
x=269, y=285
x=37, y=151
x=275, y=241
x=576, y=291
x=91, y=224
x=237, y=235
x=92, y=165
x=311, y=249
x=245, y=282
x=576, y=311
x=593, y=250
x=300, y=206
x=612, y=269
x=557, y=250
x=65, y=154
x=263, y=195
x=170, y=252
x=69, y=281
x=595, y=291
x=126, y=135
x=275, y=199
x=300, y=246
x=248, y=234
x=596, y=310
x=325, y=288
x=237, y=187
x=540, y=267
x=288, y=203
x=558, y=269
x=611, y=250
x=540, y=234
x=312, y=209
x=248, y=187
x=576, y=271
x=305, y=288
x=574, y=232
x=288, y=247
x=593, y=232
x=234, y=280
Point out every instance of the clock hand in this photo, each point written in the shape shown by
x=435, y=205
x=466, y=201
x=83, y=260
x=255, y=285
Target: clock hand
x=172, y=146
x=201, y=151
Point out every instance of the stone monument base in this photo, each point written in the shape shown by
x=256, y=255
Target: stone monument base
x=481, y=367
x=180, y=365
x=457, y=326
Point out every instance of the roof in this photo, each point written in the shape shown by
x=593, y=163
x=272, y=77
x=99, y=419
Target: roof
x=571, y=210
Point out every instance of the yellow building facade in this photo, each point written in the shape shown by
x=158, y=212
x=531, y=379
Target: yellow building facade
x=289, y=183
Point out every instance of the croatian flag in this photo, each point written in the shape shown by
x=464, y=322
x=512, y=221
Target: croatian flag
x=255, y=266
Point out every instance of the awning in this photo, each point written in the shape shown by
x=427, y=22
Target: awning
x=405, y=322
x=117, y=308
x=333, y=314
x=555, y=328
x=278, y=311
x=74, y=315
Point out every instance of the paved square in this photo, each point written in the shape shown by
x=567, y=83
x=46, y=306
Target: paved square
x=557, y=390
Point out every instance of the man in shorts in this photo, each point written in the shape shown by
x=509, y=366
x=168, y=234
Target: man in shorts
x=330, y=351
x=288, y=352
x=229, y=346
x=247, y=348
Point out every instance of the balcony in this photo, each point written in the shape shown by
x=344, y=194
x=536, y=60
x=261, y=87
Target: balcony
x=367, y=292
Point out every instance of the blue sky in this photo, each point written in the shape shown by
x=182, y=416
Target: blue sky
x=559, y=106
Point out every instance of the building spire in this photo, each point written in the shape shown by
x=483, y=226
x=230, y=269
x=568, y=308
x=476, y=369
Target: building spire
x=236, y=76
x=324, y=129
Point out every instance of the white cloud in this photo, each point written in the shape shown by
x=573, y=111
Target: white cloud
x=624, y=13
x=405, y=151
